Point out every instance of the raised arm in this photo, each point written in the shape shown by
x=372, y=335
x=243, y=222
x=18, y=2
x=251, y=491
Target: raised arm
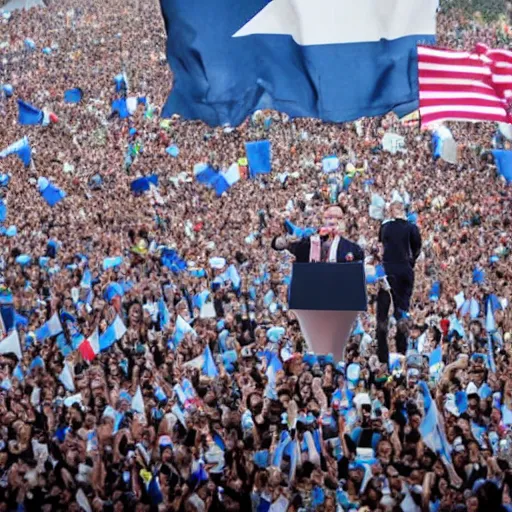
x=286, y=243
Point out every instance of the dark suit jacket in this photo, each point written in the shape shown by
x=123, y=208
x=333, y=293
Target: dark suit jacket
x=401, y=241
x=301, y=250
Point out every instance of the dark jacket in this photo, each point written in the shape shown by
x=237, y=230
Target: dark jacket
x=301, y=250
x=401, y=240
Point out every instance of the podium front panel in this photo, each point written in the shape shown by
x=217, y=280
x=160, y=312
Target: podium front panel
x=328, y=287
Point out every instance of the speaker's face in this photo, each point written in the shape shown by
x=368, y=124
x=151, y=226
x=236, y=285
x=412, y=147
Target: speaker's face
x=332, y=221
x=332, y=216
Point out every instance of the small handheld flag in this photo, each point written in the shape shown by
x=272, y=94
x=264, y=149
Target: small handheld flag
x=73, y=95
x=28, y=114
x=21, y=148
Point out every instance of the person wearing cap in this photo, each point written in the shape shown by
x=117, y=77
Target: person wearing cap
x=328, y=246
x=401, y=242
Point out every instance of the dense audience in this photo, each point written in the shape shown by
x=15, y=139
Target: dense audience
x=210, y=400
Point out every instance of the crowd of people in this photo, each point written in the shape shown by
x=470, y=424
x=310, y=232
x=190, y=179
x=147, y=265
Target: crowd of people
x=201, y=394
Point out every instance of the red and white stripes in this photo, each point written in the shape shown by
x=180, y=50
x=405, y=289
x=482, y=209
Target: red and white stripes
x=456, y=85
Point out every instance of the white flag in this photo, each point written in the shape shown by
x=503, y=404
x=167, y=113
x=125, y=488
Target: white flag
x=11, y=345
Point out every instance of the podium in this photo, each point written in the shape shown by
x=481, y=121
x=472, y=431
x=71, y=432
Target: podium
x=326, y=298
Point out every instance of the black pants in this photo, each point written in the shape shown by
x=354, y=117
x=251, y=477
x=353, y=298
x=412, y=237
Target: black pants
x=401, y=281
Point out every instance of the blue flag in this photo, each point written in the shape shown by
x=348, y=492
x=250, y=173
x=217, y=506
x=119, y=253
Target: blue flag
x=503, y=161
x=73, y=95
x=4, y=180
x=18, y=373
x=21, y=148
x=143, y=184
x=3, y=211
x=86, y=281
x=209, y=366
x=437, y=145
x=432, y=433
x=226, y=179
x=171, y=260
x=52, y=327
x=155, y=492
x=490, y=324
x=8, y=316
x=173, y=150
x=29, y=115
x=50, y=193
x=120, y=107
x=114, y=332
x=478, y=276
x=461, y=401
x=333, y=60
x=205, y=174
x=115, y=261
x=258, y=156
x=181, y=328
x=20, y=321
x=456, y=327
x=435, y=291
x=435, y=361
x=120, y=82
x=294, y=230
x=200, y=299
x=163, y=312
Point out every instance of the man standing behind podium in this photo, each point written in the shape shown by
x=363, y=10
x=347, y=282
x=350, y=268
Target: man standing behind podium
x=328, y=246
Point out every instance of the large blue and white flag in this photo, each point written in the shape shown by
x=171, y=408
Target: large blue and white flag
x=336, y=60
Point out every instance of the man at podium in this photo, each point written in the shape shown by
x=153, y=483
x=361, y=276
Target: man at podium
x=327, y=247
x=326, y=313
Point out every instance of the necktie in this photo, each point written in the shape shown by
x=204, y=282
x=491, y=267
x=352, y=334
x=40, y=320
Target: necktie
x=326, y=249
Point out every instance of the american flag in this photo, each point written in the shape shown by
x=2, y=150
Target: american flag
x=456, y=85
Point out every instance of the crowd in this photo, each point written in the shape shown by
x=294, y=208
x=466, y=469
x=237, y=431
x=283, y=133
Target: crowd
x=204, y=396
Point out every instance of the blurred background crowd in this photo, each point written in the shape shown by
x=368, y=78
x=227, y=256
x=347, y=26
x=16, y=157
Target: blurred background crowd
x=206, y=397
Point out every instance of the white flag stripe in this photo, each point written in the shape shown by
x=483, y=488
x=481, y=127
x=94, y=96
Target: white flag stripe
x=454, y=82
x=445, y=54
x=336, y=21
x=458, y=95
x=462, y=108
x=454, y=69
